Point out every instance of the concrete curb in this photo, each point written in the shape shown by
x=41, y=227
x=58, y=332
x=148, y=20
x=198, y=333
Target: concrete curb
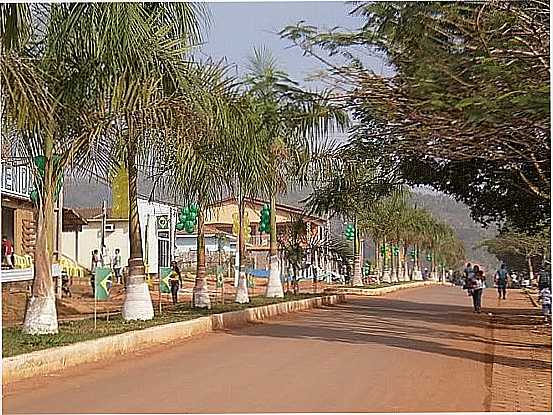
x=386, y=290
x=51, y=360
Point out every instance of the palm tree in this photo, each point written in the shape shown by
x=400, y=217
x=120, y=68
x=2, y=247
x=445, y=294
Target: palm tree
x=198, y=170
x=107, y=86
x=294, y=122
x=350, y=186
x=292, y=246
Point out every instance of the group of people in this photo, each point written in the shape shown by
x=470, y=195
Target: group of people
x=475, y=282
x=175, y=278
x=116, y=265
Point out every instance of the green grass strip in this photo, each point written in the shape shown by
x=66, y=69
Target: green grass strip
x=14, y=342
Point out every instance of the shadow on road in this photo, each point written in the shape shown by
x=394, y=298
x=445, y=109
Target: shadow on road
x=426, y=327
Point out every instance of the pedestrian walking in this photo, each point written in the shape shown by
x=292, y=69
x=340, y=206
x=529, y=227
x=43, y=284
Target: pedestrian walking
x=475, y=287
x=545, y=299
x=501, y=281
x=175, y=281
x=544, y=278
x=478, y=290
x=95, y=263
x=117, y=265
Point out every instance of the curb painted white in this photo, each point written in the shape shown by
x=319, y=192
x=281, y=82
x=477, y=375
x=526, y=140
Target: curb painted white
x=384, y=290
x=55, y=359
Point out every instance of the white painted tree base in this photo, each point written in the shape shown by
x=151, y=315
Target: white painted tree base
x=242, y=296
x=138, y=303
x=41, y=316
x=357, y=277
x=386, y=277
x=201, y=297
x=274, y=285
x=417, y=275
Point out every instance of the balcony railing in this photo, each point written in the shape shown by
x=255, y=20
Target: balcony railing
x=260, y=240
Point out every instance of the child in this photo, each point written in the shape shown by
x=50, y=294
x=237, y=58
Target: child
x=545, y=299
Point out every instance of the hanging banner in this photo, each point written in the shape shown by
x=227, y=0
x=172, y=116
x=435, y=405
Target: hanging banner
x=120, y=194
x=102, y=282
x=164, y=285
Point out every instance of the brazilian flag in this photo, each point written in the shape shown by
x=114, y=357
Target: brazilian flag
x=250, y=281
x=164, y=273
x=102, y=282
x=220, y=273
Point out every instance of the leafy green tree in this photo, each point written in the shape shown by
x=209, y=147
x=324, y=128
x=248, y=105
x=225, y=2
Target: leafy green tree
x=467, y=103
x=528, y=246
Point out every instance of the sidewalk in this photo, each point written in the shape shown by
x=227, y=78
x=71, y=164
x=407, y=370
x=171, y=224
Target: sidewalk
x=521, y=370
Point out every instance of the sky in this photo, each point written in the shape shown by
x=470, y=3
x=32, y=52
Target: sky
x=238, y=27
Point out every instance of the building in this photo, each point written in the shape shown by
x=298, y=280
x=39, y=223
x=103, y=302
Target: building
x=156, y=244
x=17, y=209
x=159, y=246
x=221, y=217
x=19, y=226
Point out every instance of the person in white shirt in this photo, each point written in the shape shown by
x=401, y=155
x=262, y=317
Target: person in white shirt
x=545, y=299
x=476, y=287
x=117, y=265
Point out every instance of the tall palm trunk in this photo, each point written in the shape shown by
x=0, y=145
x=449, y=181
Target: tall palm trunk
x=274, y=285
x=405, y=263
x=417, y=274
x=242, y=290
x=138, y=303
x=530, y=267
x=357, y=277
x=41, y=316
x=386, y=277
x=377, y=268
x=393, y=271
x=200, y=292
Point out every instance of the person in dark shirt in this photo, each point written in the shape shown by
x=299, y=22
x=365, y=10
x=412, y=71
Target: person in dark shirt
x=501, y=281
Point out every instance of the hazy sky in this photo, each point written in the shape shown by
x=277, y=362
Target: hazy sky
x=237, y=27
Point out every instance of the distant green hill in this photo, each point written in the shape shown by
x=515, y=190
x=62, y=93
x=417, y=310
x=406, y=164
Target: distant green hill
x=457, y=215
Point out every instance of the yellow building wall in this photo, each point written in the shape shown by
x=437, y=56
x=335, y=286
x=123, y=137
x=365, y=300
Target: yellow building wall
x=223, y=214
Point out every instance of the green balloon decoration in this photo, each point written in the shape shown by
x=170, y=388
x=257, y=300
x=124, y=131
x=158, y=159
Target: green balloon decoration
x=188, y=217
x=350, y=232
x=265, y=223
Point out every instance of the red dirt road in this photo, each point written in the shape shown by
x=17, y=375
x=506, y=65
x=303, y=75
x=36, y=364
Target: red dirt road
x=416, y=350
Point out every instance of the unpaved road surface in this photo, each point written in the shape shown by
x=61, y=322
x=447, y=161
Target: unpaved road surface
x=415, y=350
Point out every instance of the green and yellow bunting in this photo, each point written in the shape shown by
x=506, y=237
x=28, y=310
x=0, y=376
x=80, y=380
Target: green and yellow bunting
x=164, y=273
x=101, y=282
